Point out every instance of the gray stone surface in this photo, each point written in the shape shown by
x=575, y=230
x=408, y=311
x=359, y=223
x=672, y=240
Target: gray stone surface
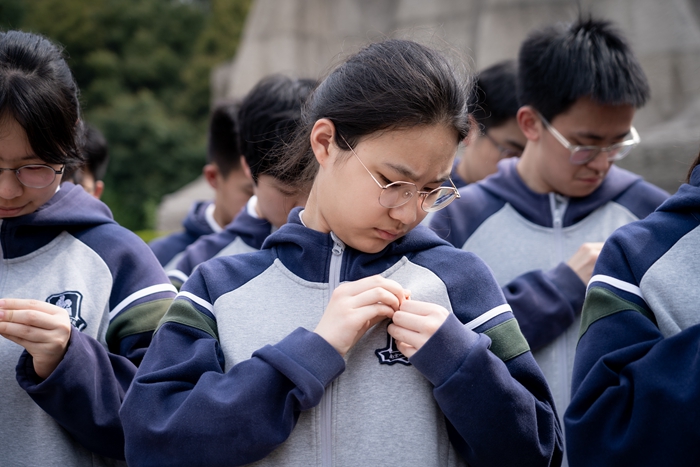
x=307, y=37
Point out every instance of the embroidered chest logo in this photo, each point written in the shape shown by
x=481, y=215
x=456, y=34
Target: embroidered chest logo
x=391, y=354
x=70, y=301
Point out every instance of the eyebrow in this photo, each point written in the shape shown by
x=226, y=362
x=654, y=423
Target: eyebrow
x=409, y=174
x=596, y=137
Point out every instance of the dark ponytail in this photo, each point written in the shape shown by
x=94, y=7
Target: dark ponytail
x=38, y=90
x=390, y=85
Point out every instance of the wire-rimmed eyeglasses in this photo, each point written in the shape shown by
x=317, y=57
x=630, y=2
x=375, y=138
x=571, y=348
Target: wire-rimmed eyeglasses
x=397, y=194
x=584, y=154
x=35, y=175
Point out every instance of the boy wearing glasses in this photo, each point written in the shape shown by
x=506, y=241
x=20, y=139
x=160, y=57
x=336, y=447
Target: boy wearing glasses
x=269, y=115
x=539, y=223
x=498, y=136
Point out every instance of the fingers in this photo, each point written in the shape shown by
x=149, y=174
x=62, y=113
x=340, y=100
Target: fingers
x=44, y=318
x=368, y=283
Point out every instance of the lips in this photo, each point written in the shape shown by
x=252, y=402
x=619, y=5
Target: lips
x=7, y=211
x=389, y=234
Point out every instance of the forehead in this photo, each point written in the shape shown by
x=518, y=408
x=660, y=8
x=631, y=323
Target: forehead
x=588, y=116
x=14, y=144
x=418, y=152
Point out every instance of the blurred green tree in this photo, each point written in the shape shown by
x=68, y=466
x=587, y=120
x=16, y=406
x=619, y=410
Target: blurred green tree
x=143, y=68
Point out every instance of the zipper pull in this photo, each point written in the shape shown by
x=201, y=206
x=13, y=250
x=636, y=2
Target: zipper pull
x=338, y=245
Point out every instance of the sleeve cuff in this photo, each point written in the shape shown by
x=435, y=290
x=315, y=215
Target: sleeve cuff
x=27, y=377
x=569, y=284
x=314, y=354
x=443, y=354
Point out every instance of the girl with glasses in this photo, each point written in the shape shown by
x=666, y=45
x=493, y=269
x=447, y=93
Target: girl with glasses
x=355, y=336
x=79, y=295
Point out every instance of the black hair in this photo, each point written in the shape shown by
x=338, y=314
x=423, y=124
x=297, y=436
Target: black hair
x=223, y=141
x=588, y=58
x=37, y=89
x=695, y=163
x=495, y=100
x=389, y=85
x=269, y=116
x=95, y=154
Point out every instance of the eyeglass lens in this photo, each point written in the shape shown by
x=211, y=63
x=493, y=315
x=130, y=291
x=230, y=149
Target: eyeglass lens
x=399, y=193
x=36, y=176
x=583, y=156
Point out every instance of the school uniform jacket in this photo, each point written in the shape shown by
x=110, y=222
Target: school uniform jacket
x=72, y=254
x=244, y=234
x=235, y=375
x=199, y=221
x=636, y=381
x=526, y=238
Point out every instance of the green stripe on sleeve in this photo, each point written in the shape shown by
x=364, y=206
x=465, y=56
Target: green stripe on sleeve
x=507, y=341
x=183, y=312
x=602, y=302
x=140, y=318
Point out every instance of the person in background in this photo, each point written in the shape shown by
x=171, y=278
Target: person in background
x=636, y=389
x=539, y=223
x=80, y=295
x=232, y=188
x=494, y=107
x=351, y=337
x=95, y=152
x=269, y=115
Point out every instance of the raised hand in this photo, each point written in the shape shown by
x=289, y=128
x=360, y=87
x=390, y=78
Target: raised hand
x=355, y=307
x=414, y=323
x=584, y=260
x=41, y=328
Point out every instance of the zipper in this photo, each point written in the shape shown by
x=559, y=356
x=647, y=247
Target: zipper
x=558, y=205
x=327, y=398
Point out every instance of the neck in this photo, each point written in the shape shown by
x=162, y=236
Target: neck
x=313, y=217
x=219, y=215
x=463, y=168
x=529, y=172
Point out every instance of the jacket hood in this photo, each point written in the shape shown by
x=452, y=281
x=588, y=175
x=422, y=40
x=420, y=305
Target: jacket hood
x=294, y=241
x=70, y=209
x=687, y=198
x=510, y=187
x=196, y=221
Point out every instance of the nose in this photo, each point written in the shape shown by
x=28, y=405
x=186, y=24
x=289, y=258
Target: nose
x=10, y=187
x=600, y=163
x=407, y=213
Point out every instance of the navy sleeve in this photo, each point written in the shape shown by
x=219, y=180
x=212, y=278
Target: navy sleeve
x=85, y=392
x=545, y=303
x=181, y=395
x=486, y=381
x=635, y=394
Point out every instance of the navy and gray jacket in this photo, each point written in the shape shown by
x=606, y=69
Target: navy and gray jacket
x=199, y=221
x=244, y=234
x=72, y=254
x=234, y=374
x=636, y=381
x=526, y=237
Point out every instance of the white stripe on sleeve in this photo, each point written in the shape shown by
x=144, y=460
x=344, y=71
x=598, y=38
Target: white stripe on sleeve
x=199, y=301
x=140, y=294
x=492, y=313
x=617, y=283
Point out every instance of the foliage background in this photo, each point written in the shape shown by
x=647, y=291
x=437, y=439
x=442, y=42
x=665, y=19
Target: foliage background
x=143, y=69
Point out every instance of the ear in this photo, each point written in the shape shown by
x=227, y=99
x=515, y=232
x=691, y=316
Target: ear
x=246, y=169
x=99, y=188
x=530, y=123
x=210, y=172
x=322, y=139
